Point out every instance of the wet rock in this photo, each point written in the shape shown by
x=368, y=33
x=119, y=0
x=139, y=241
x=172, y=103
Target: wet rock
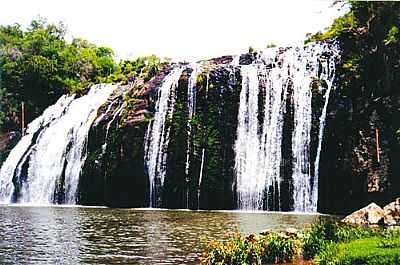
x=369, y=215
x=392, y=213
x=247, y=58
x=221, y=60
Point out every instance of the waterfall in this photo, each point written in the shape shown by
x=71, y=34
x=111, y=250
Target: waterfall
x=46, y=163
x=275, y=87
x=249, y=182
x=264, y=141
x=258, y=146
x=301, y=136
x=21, y=150
x=200, y=177
x=116, y=114
x=157, y=135
x=308, y=65
x=191, y=94
x=328, y=75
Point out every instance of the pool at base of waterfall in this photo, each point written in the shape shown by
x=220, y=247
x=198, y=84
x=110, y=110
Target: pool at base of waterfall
x=88, y=235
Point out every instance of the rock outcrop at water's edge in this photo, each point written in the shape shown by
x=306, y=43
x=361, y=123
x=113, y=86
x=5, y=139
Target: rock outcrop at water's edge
x=392, y=213
x=372, y=214
x=369, y=215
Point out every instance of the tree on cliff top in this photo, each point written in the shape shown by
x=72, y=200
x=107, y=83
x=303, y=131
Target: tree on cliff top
x=370, y=71
x=38, y=65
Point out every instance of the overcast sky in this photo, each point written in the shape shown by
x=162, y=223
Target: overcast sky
x=184, y=30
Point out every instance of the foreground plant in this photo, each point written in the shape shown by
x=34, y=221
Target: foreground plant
x=320, y=235
x=253, y=249
x=337, y=244
x=323, y=243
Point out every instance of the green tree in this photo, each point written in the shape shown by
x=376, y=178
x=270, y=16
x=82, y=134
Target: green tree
x=38, y=65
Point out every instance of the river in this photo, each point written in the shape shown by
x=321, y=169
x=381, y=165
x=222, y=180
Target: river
x=87, y=235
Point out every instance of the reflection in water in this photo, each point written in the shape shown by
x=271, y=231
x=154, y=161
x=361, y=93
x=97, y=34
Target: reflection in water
x=78, y=235
x=32, y=235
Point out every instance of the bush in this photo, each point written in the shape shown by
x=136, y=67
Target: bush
x=390, y=239
x=317, y=237
x=278, y=248
x=272, y=248
x=323, y=234
x=328, y=243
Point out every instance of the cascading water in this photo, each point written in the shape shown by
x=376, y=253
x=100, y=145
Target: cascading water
x=275, y=90
x=307, y=67
x=157, y=135
x=46, y=163
x=191, y=93
x=328, y=75
x=203, y=153
x=12, y=165
x=250, y=183
x=258, y=146
x=114, y=117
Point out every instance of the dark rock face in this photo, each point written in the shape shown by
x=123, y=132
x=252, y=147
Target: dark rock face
x=116, y=175
x=358, y=158
x=113, y=173
x=7, y=143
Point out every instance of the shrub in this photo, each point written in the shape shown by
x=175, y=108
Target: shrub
x=390, y=239
x=272, y=248
x=278, y=248
x=317, y=236
x=322, y=234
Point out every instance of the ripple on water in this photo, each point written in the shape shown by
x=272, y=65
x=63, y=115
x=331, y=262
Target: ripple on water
x=82, y=235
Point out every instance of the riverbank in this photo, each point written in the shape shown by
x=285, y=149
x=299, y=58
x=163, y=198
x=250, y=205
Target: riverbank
x=321, y=243
x=324, y=242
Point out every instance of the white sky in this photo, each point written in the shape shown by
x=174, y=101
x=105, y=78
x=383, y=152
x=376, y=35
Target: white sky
x=184, y=30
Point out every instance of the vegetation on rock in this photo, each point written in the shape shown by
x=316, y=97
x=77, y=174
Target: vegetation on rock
x=362, y=133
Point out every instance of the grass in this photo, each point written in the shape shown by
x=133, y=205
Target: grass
x=363, y=251
x=323, y=234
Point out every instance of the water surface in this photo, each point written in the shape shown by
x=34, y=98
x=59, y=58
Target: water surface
x=81, y=235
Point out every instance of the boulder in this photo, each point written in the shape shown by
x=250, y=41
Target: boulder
x=392, y=213
x=369, y=215
x=291, y=232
